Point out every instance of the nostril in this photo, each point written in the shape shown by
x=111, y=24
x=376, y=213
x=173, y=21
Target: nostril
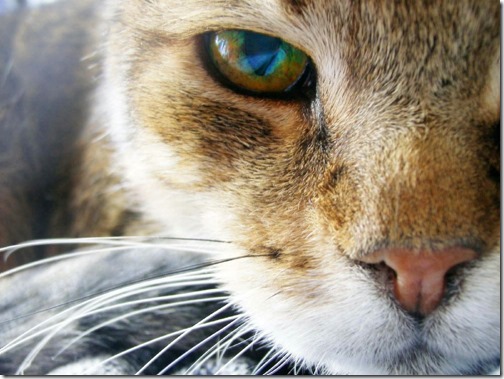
x=420, y=276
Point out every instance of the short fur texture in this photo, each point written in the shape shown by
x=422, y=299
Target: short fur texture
x=398, y=147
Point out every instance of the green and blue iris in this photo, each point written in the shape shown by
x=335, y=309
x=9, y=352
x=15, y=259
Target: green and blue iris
x=257, y=62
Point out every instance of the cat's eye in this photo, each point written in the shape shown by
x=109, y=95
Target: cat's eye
x=256, y=62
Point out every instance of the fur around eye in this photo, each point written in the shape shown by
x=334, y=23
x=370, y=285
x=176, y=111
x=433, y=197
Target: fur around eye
x=256, y=62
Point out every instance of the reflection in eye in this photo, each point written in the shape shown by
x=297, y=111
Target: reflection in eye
x=257, y=62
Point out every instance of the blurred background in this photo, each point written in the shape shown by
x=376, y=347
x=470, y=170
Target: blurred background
x=6, y=5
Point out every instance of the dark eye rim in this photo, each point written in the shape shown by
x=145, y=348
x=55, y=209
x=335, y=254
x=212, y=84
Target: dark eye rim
x=303, y=90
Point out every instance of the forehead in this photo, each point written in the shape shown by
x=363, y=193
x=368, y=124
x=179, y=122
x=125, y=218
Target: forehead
x=370, y=36
x=276, y=16
x=322, y=27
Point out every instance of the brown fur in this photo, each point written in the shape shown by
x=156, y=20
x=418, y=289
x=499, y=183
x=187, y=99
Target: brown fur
x=397, y=146
x=399, y=162
x=408, y=163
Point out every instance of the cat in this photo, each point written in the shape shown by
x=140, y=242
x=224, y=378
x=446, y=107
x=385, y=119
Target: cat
x=253, y=186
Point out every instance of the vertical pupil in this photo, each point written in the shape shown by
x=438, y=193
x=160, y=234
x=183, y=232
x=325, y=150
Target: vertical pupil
x=261, y=52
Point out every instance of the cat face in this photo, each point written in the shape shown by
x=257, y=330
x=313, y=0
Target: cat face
x=390, y=148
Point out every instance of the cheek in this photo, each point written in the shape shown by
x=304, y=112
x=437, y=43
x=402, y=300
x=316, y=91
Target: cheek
x=205, y=125
x=193, y=147
x=162, y=162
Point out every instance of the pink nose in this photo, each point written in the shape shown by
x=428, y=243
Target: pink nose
x=420, y=276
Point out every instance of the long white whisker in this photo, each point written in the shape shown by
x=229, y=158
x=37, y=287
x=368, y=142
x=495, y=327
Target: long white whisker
x=144, y=286
x=278, y=365
x=216, y=349
x=232, y=345
x=39, y=346
x=198, y=345
x=121, y=246
x=138, y=312
x=295, y=369
x=108, y=297
x=138, y=289
x=98, y=300
x=135, y=241
x=160, y=338
x=319, y=364
x=26, y=336
x=270, y=356
x=238, y=355
x=209, y=317
x=101, y=301
x=56, y=258
x=114, y=241
x=221, y=347
x=205, y=277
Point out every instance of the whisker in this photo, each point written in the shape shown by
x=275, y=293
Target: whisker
x=318, y=366
x=116, y=241
x=29, y=359
x=121, y=287
x=25, y=336
x=120, y=247
x=174, y=272
x=216, y=349
x=269, y=357
x=209, y=317
x=238, y=355
x=295, y=369
x=278, y=365
x=121, y=243
x=97, y=302
x=221, y=348
x=160, y=338
x=26, y=363
x=56, y=258
x=58, y=327
x=230, y=345
x=139, y=312
x=122, y=292
x=198, y=345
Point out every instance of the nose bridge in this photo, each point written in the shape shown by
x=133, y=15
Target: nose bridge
x=423, y=188
x=411, y=178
